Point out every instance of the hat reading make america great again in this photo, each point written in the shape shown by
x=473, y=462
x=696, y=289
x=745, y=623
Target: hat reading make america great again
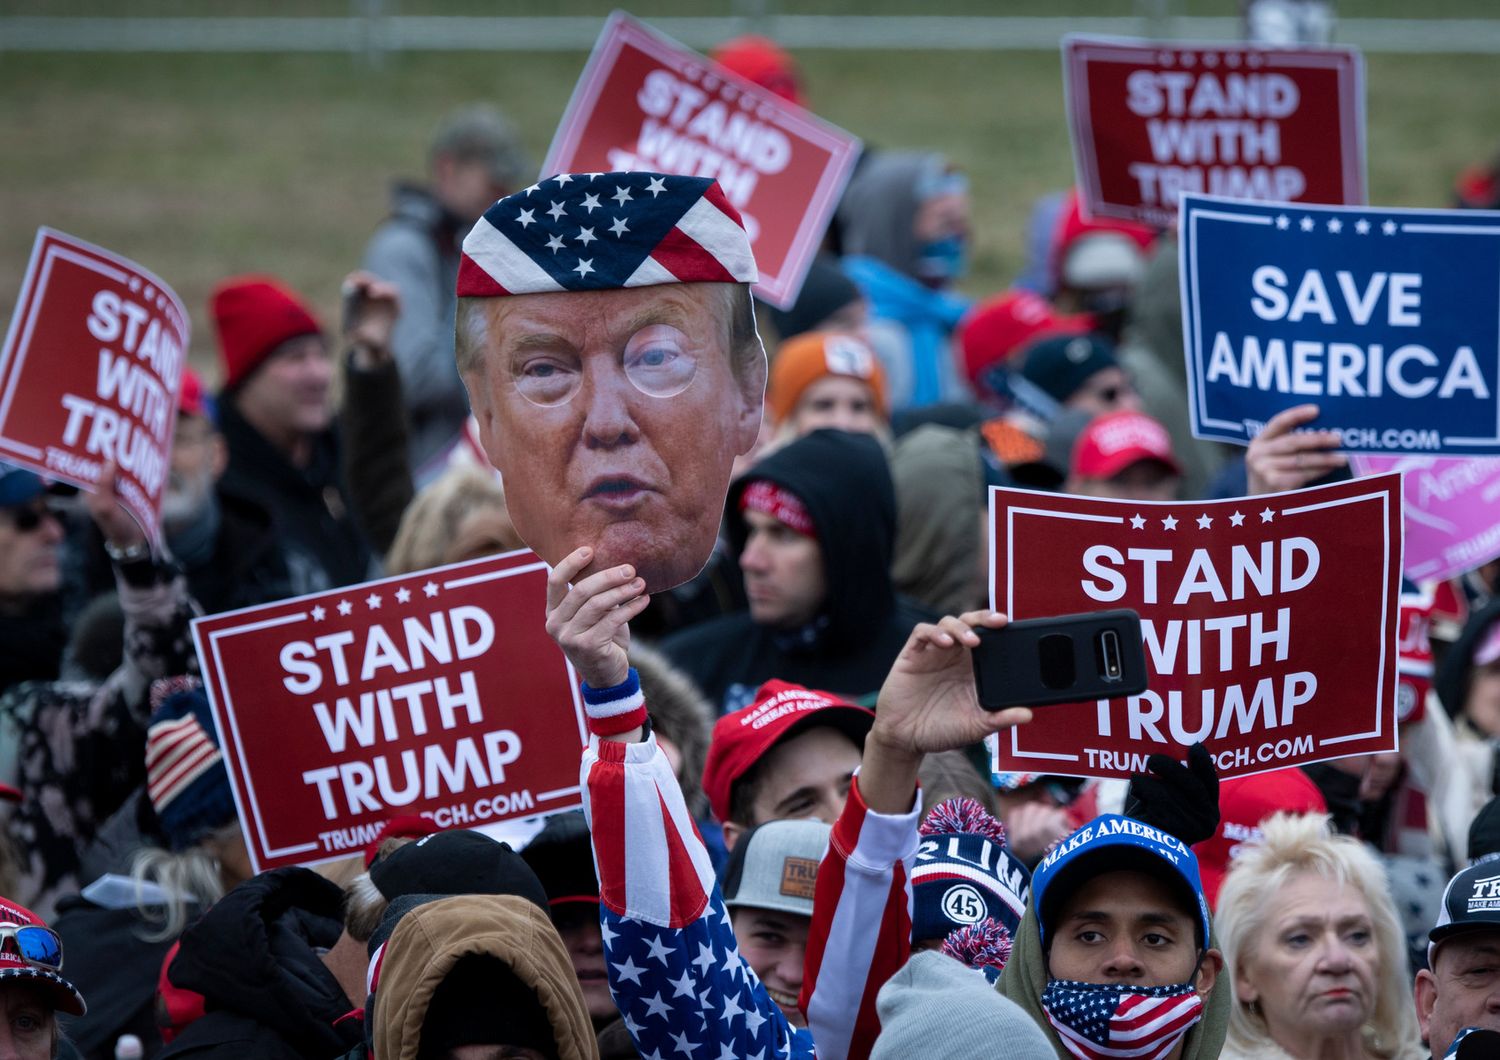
x=603, y=231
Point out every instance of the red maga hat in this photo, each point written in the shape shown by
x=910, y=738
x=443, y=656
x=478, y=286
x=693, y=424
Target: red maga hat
x=781, y=710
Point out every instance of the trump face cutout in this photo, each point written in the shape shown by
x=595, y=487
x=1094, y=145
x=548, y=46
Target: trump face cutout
x=614, y=416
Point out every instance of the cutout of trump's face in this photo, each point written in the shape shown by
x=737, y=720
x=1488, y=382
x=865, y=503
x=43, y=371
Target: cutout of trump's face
x=614, y=417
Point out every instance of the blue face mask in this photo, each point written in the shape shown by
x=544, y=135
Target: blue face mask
x=1111, y=1019
x=942, y=261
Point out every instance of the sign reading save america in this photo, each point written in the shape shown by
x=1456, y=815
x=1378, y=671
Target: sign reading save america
x=1150, y=121
x=90, y=372
x=1388, y=320
x=437, y=693
x=645, y=102
x=1269, y=623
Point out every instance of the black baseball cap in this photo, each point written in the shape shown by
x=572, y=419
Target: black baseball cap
x=1471, y=903
x=563, y=859
x=458, y=862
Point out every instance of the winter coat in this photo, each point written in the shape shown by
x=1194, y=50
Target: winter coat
x=845, y=484
x=254, y=956
x=430, y=939
x=940, y=496
x=77, y=750
x=417, y=249
x=32, y=643
x=325, y=548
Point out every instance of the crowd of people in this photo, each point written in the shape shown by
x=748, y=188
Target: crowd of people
x=791, y=841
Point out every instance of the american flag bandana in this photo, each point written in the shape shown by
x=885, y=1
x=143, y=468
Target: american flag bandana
x=1099, y=1021
x=603, y=231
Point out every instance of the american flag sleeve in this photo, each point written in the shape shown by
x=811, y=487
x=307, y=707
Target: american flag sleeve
x=674, y=967
x=861, y=928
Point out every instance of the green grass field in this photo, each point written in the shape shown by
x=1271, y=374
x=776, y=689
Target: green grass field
x=205, y=165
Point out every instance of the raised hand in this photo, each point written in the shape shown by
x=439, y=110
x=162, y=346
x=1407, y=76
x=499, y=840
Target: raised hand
x=591, y=620
x=1283, y=458
x=928, y=704
x=116, y=524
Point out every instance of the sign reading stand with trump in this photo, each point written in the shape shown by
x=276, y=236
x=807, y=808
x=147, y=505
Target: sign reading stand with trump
x=90, y=372
x=645, y=102
x=1269, y=623
x=1151, y=121
x=1388, y=320
x=436, y=693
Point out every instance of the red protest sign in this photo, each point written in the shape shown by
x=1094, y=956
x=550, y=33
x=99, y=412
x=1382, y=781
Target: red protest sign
x=1269, y=623
x=437, y=693
x=90, y=371
x=1152, y=120
x=645, y=102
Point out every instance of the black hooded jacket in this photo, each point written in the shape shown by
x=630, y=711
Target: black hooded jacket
x=846, y=486
x=324, y=547
x=254, y=956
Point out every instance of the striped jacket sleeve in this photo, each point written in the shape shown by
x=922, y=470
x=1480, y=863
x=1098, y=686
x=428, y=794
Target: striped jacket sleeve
x=674, y=967
x=861, y=928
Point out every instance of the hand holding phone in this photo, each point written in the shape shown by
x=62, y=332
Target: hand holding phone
x=1067, y=659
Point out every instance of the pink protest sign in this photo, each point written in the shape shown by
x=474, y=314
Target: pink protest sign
x=437, y=693
x=90, y=372
x=645, y=102
x=1452, y=511
x=1152, y=120
x=1269, y=623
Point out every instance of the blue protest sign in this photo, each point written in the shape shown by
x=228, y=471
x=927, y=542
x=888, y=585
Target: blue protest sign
x=1387, y=319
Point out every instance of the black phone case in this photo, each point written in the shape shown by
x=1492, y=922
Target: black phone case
x=1008, y=668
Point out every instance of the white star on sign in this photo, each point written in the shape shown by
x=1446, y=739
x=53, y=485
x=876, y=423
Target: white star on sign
x=373, y=600
x=659, y=951
x=1205, y=521
x=1307, y=224
x=345, y=607
x=656, y=187
x=1283, y=222
x=590, y=202
x=1236, y=519
x=1362, y=227
x=318, y=613
x=585, y=236
x=619, y=228
x=1137, y=522
x=430, y=589
x=1267, y=515
x=584, y=267
x=1169, y=523
x=556, y=212
x=1335, y=225
x=403, y=595
x=621, y=196
x=526, y=218
x=629, y=972
x=1389, y=228
x=555, y=243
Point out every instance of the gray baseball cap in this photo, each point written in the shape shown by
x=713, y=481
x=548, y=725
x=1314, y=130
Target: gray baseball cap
x=775, y=866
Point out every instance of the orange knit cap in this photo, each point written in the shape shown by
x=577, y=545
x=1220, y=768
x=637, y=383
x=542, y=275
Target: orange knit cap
x=804, y=359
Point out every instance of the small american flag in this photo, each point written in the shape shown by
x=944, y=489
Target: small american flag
x=1098, y=1022
x=602, y=231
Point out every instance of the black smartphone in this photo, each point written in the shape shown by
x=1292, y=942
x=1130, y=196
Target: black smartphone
x=1037, y=662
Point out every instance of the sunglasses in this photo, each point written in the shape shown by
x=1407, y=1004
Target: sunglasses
x=27, y=519
x=38, y=946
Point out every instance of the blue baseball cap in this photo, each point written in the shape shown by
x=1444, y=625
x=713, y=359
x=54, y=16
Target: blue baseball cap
x=1111, y=843
x=19, y=486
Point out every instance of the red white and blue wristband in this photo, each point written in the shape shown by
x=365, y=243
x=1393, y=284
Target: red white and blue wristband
x=616, y=709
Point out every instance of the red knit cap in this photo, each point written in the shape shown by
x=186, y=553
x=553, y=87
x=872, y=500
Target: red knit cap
x=253, y=315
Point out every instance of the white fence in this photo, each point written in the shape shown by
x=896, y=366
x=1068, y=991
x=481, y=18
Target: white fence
x=375, y=34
